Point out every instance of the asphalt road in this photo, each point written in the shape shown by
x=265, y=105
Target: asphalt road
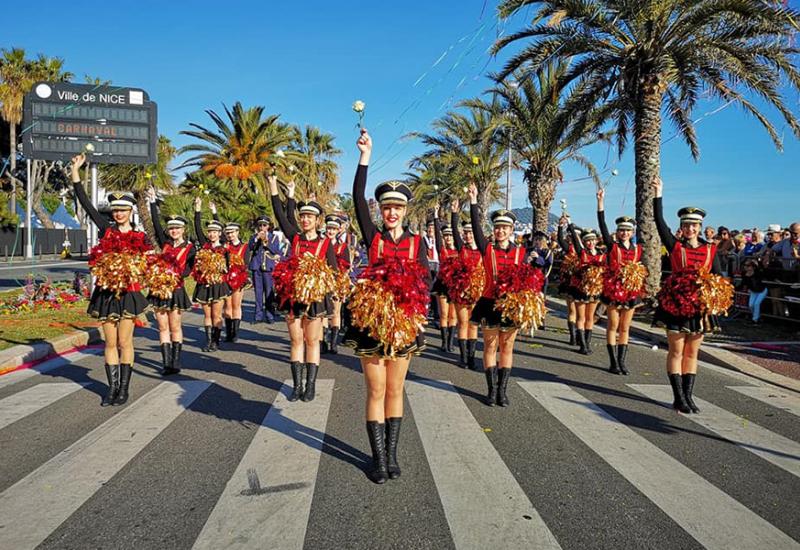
x=217, y=458
x=13, y=275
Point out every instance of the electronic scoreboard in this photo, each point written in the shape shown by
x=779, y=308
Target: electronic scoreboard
x=112, y=125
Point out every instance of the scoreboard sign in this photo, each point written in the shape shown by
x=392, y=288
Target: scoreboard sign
x=112, y=125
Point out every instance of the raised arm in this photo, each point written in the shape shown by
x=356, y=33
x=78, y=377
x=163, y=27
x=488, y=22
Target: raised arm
x=475, y=219
x=454, y=223
x=368, y=229
x=198, y=222
x=437, y=230
x=664, y=232
x=189, y=260
x=561, y=235
x=280, y=213
x=80, y=194
x=601, y=218
x=155, y=215
x=576, y=239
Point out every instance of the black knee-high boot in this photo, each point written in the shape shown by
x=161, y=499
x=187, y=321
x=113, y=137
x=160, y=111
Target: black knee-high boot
x=236, y=323
x=572, y=329
x=228, y=330
x=166, y=358
x=472, y=344
x=333, y=336
x=216, y=333
x=451, y=338
x=392, y=438
x=176, y=357
x=311, y=382
x=207, y=347
x=679, y=402
x=462, y=353
x=622, y=353
x=491, y=386
x=612, y=357
x=587, y=334
x=580, y=336
x=323, y=345
x=502, y=383
x=688, y=389
x=380, y=471
x=444, y=336
x=112, y=374
x=297, y=380
x=124, y=384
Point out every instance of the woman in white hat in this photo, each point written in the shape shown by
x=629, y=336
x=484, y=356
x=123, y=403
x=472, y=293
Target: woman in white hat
x=684, y=334
x=499, y=333
x=303, y=320
x=384, y=374
x=589, y=256
x=117, y=312
x=211, y=295
x=239, y=253
x=620, y=309
x=445, y=245
x=168, y=311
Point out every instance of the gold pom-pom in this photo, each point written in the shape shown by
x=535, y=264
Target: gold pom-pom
x=633, y=276
x=209, y=267
x=716, y=293
x=525, y=309
x=118, y=271
x=162, y=278
x=592, y=280
x=374, y=310
x=313, y=280
x=570, y=264
x=343, y=286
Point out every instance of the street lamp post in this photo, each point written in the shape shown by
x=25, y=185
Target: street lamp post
x=513, y=84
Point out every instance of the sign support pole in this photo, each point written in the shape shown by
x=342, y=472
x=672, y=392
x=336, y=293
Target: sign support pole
x=28, y=213
x=95, y=236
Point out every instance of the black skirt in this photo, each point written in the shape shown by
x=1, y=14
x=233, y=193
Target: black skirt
x=582, y=297
x=106, y=306
x=208, y=294
x=698, y=324
x=565, y=290
x=438, y=288
x=365, y=346
x=179, y=301
x=316, y=310
x=630, y=304
x=484, y=314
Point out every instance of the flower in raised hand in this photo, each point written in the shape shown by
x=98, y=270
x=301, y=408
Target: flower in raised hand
x=476, y=160
x=88, y=148
x=358, y=107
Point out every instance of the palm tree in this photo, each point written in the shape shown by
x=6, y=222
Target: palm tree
x=242, y=148
x=635, y=61
x=139, y=178
x=543, y=136
x=464, y=142
x=430, y=180
x=14, y=83
x=312, y=152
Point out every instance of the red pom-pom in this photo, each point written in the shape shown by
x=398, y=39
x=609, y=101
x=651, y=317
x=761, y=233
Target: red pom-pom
x=680, y=293
x=283, y=277
x=405, y=280
x=517, y=278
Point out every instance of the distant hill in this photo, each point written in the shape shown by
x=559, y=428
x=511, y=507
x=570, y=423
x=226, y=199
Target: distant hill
x=525, y=216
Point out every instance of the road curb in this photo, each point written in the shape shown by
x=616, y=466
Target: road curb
x=23, y=356
x=719, y=357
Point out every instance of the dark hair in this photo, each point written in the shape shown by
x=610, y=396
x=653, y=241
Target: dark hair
x=722, y=229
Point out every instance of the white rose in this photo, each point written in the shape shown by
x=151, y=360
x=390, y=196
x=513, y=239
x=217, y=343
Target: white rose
x=615, y=172
x=358, y=106
x=280, y=154
x=89, y=148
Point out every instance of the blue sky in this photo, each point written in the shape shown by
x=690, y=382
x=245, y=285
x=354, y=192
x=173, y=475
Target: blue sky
x=308, y=61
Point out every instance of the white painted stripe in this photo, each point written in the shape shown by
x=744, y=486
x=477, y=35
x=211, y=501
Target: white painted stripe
x=267, y=502
x=36, y=505
x=715, y=519
x=47, y=366
x=484, y=505
x=778, y=398
x=779, y=450
x=29, y=401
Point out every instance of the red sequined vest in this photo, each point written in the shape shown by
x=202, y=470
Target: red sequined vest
x=495, y=261
x=682, y=256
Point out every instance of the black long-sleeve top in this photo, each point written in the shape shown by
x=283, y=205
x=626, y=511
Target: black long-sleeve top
x=457, y=240
x=97, y=218
x=439, y=236
x=163, y=239
x=561, y=236
x=291, y=230
x=368, y=229
x=669, y=240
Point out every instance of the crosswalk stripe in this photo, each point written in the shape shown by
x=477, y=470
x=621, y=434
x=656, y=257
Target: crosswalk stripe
x=36, y=505
x=713, y=518
x=779, y=450
x=484, y=505
x=47, y=366
x=29, y=401
x=778, y=398
x=267, y=502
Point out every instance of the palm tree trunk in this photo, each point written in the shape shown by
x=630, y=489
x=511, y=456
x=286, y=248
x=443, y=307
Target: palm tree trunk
x=40, y=174
x=541, y=192
x=145, y=220
x=647, y=135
